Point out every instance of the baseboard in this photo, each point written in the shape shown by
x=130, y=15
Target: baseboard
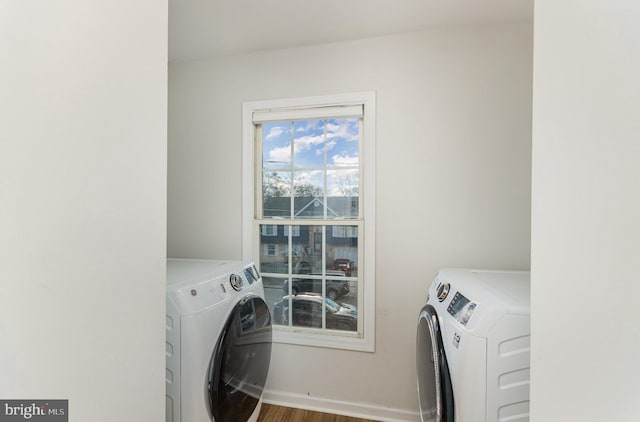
x=338, y=407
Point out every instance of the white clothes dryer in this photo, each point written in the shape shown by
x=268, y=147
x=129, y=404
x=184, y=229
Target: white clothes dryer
x=218, y=331
x=473, y=347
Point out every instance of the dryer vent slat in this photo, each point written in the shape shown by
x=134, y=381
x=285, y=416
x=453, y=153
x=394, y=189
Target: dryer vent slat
x=515, y=345
x=169, y=323
x=515, y=412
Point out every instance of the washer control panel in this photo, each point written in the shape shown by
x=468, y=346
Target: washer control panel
x=461, y=308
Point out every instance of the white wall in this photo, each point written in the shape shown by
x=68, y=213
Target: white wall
x=586, y=204
x=453, y=144
x=82, y=205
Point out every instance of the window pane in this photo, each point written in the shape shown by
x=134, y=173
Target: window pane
x=342, y=313
x=306, y=311
x=305, y=253
x=273, y=249
x=309, y=194
x=275, y=298
x=343, y=187
x=308, y=144
x=307, y=250
x=341, y=258
x=306, y=307
x=276, y=194
x=343, y=142
x=276, y=145
x=342, y=250
x=308, y=183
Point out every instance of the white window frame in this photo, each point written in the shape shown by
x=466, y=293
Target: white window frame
x=367, y=202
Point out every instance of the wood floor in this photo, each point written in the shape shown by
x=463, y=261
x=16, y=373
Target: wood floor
x=272, y=413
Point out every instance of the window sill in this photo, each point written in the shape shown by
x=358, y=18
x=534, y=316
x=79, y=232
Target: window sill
x=322, y=339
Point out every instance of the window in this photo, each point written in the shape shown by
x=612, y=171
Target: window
x=309, y=186
x=269, y=230
x=270, y=250
x=295, y=230
x=345, y=231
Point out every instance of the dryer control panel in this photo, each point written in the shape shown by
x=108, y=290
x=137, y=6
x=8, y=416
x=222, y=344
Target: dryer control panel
x=251, y=273
x=461, y=308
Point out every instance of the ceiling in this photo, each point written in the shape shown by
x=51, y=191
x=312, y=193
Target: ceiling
x=205, y=28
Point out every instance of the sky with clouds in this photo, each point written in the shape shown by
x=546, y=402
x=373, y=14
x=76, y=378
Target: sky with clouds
x=314, y=150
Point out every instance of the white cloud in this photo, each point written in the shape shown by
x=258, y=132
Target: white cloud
x=310, y=125
x=307, y=142
x=280, y=155
x=345, y=129
x=275, y=132
x=330, y=145
x=345, y=160
x=283, y=154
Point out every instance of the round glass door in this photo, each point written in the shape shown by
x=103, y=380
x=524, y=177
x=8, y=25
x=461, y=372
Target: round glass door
x=240, y=361
x=435, y=394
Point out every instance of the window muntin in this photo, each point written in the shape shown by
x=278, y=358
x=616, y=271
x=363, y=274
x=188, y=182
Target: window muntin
x=339, y=168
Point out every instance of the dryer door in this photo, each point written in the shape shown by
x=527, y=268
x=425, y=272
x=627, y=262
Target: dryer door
x=240, y=361
x=435, y=394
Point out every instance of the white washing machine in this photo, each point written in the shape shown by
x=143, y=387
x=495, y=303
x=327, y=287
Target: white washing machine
x=473, y=347
x=218, y=341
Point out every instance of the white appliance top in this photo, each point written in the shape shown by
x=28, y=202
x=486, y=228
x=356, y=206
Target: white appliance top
x=508, y=291
x=196, y=285
x=190, y=271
